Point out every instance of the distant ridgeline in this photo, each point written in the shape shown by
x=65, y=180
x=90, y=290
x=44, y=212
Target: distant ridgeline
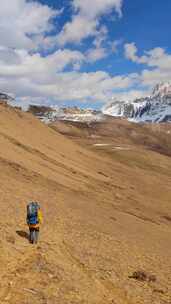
x=39, y=110
x=154, y=108
x=52, y=114
x=4, y=98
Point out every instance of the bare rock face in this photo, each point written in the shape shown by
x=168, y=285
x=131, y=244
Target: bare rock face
x=4, y=96
x=154, y=108
x=39, y=110
x=4, y=99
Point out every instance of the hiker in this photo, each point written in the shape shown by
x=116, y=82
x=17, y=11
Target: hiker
x=34, y=219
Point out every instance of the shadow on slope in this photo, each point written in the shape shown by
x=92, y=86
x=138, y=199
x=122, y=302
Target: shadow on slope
x=23, y=234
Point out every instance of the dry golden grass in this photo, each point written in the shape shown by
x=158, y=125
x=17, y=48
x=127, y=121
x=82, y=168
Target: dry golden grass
x=106, y=216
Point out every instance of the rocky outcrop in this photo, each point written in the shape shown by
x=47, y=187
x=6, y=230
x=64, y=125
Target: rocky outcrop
x=4, y=99
x=39, y=110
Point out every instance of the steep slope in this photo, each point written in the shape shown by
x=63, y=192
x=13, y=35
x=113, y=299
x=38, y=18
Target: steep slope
x=155, y=108
x=106, y=215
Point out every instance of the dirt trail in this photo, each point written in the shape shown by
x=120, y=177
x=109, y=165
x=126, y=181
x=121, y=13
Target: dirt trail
x=50, y=273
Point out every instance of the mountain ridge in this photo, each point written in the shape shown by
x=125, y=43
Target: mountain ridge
x=155, y=108
x=52, y=114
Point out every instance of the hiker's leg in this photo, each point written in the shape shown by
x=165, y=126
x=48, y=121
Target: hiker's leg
x=36, y=235
x=31, y=238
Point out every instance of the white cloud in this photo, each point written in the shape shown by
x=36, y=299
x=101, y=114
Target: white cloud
x=41, y=77
x=96, y=54
x=152, y=77
x=20, y=63
x=96, y=8
x=114, y=45
x=156, y=59
x=44, y=79
x=100, y=37
x=85, y=21
x=131, y=53
x=26, y=27
x=101, y=49
x=129, y=95
x=78, y=29
x=20, y=20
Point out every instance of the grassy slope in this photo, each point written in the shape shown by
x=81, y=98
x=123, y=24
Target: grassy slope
x=106, y=215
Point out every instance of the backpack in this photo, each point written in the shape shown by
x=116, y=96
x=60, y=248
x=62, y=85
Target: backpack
x=32, y=213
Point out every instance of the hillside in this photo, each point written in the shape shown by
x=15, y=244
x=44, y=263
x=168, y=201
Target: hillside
x=107, y=214
x=115, y=132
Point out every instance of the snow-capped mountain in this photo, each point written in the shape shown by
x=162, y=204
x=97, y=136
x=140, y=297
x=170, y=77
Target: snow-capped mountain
x=52, y=114
x=155, y=108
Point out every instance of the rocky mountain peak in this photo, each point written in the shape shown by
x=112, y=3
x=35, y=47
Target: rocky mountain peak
x=161, y=89
x=154, y=108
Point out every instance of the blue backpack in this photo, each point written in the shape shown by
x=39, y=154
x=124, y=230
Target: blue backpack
x=32, y=213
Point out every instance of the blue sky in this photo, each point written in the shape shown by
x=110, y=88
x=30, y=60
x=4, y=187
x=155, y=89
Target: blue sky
x=147, y=23
x=86, y=53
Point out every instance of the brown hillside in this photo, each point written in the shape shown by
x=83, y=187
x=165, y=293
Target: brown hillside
x=107, y=218
x=155, y=137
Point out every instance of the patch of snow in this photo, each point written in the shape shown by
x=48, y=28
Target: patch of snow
x=154, y=109
x=58, y=114
x=121, y=148
x=101, y=145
